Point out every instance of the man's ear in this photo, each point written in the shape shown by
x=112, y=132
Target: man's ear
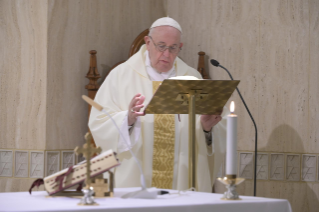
x=147, y=42
x=181, y=45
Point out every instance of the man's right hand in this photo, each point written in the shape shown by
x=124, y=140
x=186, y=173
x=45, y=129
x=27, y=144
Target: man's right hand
x=134, y=108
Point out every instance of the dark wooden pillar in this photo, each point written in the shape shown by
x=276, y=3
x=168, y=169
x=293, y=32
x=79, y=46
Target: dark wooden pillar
x=93, y=75
x=201, y=65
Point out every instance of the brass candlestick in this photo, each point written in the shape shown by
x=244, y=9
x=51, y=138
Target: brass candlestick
x=231, y=182
x=88, y=150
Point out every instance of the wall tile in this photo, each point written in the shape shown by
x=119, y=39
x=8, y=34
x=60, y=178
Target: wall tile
x=52, y=162
x=246, y=168
x=262, y=166
x=36, y=164
x=21, y=163
x=6, y=162
x=309, y=164
x=68, y=159
x=292, y=167
x=277, y=167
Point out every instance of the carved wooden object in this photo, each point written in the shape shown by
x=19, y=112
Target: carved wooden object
x=138, y=42
x=93, y=75
x=201, y=65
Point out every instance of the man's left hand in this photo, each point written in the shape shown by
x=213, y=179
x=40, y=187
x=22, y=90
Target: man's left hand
x=209, y=121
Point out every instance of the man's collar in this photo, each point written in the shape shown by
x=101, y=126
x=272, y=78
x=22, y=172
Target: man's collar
x=137, y=62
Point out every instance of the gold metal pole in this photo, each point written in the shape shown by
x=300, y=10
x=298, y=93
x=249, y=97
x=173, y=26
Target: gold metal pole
x=191, y=142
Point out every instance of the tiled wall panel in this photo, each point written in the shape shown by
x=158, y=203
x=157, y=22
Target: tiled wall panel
x=277, y=168
x=68, y=159
x=309, y=167
x=292, y=167
x=36, y=164
x=21, y=164
x=52, y=162
x=246, y=162
x=6, y=162
x=262, y=166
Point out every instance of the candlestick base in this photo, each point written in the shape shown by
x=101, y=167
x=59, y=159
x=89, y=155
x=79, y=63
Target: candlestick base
x=88, y=198
x=231, y=183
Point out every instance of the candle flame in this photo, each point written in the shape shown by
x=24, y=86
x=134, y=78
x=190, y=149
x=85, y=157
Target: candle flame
x=232, y=107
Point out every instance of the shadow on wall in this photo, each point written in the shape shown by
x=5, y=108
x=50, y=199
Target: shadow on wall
x=104, y=72
x=285, y=171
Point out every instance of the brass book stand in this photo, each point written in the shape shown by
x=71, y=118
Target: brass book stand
x=191, y=97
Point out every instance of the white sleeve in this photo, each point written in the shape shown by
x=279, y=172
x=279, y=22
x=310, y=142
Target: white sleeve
x=130, y=135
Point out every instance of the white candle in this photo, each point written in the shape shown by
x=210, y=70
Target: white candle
x=231, y=145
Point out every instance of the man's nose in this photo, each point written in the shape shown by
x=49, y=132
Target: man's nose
x=166, y=53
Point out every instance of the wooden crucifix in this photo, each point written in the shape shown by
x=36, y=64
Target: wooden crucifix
x=88, y=150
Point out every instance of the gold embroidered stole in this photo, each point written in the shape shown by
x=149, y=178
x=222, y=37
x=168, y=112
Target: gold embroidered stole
x=163, y=150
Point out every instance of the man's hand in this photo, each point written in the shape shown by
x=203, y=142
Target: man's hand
x=134, y=108
x=209, y=121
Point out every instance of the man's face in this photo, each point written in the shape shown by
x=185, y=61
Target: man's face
x=167, y=36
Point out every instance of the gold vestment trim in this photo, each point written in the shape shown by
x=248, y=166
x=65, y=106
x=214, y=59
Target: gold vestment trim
x=163, y=150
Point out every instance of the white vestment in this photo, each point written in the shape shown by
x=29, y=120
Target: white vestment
x=115, y=95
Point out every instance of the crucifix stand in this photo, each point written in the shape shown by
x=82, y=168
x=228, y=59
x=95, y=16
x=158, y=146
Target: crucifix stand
x=88, y=150
x=104, y=187
x=191, y=97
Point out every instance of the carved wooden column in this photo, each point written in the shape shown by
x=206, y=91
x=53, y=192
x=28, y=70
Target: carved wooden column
x=93, y=75
x=201, y=65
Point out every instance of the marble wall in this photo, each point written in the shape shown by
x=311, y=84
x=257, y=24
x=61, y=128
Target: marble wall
x=23, y=61
x=44, y=59
x=273, y=48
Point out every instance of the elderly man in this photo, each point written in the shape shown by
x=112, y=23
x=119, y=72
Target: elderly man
x=160, y=142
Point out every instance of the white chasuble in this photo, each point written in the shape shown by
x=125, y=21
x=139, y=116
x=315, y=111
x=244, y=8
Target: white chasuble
x=115, y=94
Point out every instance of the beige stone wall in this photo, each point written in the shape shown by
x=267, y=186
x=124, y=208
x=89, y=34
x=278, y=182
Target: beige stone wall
x=23, y=62
x=44, y=58
x=273, y=48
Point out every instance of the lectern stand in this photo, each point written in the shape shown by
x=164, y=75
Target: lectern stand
x=191, y=97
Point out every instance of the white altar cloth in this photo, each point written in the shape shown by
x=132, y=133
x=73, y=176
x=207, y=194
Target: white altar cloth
x=188, y=201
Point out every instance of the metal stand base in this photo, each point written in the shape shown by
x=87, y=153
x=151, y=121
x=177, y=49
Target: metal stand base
x=88, y=198
x=231, y=193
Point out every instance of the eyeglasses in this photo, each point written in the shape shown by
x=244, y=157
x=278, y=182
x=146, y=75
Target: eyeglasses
x=172, y=49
